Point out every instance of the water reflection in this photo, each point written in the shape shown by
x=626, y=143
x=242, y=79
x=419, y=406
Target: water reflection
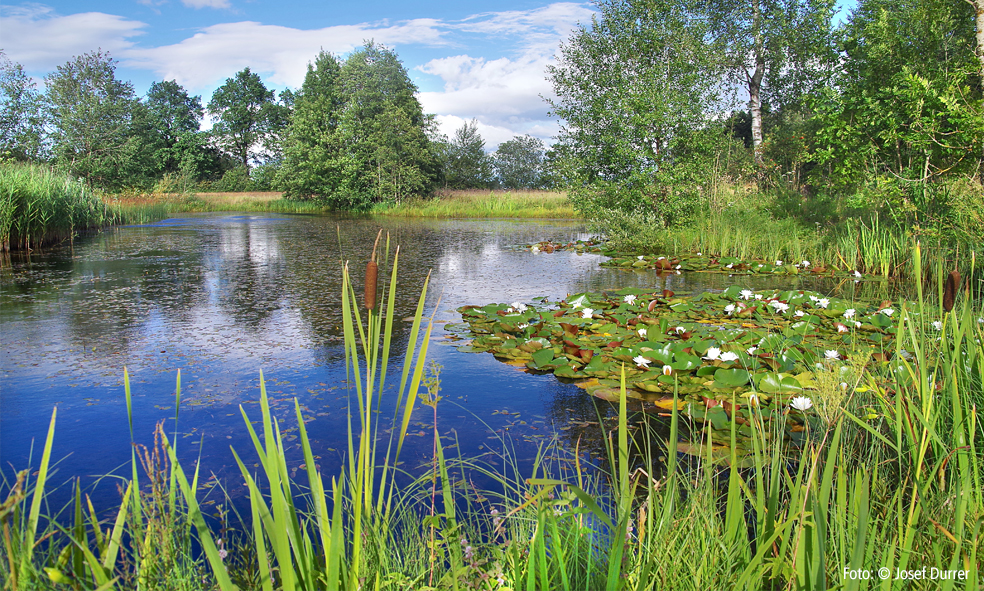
x=221, y=297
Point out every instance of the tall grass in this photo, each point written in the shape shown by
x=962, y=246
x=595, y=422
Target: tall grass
x=888, y=476
x=484, y=204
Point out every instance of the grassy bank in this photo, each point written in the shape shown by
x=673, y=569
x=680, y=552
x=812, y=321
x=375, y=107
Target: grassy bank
x=887, y=474
x=478, y=203
x=39, y=206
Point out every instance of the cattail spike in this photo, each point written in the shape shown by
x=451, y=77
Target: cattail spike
x=950, y=292
x=372, y=270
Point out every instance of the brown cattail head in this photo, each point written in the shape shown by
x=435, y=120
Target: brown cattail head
x=372, y=271
x=950, y=292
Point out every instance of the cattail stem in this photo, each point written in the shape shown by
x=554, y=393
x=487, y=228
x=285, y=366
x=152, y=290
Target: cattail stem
x=372, y=274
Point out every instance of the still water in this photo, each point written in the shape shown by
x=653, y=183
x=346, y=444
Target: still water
x=221, y=297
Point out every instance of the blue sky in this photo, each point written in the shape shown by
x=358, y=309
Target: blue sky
x=478, y=59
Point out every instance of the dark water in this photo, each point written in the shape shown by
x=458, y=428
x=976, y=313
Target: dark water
x=221, y=297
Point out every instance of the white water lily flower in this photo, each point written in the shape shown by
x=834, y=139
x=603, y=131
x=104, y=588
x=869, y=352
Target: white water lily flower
x=522, y=326
x=698, y=254
x=937, y=325
x=640, y=257
x=519, y=307
x=535, y=249
x=980, y=321
x=778, y=263
x=842, y=328
x=758, y=296
x=642, y=361
x=849, y=313
x=814, y=298
x=746, y=294
x=857, y=324
x=729, y=356
x=643, y=332
x=667, y=370
x=660, y=258
x=799, y=313
x=586, y=313
x=730, y=265
x=805, y=263
x=779, y=306
x=753, y=399
x=678, y=272
x=680, y=330
x=713, y=353
x=858, y=274
x=678, y=267
x=831, y=354
x=751, y=350
x=729, y=309
x=887, y=311
x=801, y=403
x=823, y=302
x=629, y=299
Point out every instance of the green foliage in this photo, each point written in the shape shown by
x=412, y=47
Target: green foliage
x=21, y=117
x=175, y=118
x=519, y=163
x=465, y=163
x=247, y=117
x=100, y=130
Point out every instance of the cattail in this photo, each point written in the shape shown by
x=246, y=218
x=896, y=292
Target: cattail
x=950, y=292
x=372, y=270
x=372, y=273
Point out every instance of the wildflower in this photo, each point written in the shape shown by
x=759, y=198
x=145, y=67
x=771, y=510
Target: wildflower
x=843, y=385
x=643, y=332
x=698, y=254
x=778, y=263
x=849, y=313
x=857, y=275
x=518, y=307
x=746, y=294
x=980, y=321
x=586, y=313
x=805, y=263
x=629, y=299
x=641, y=361
x=713, y=353
x=667, y=370
x=801, y=403
x=729, y=356
x=223, y=553
x=779, y=306
x=887, y=311
x=799, y=313
x=823, y=302
x=937, y=325
x=751, y=350
x=831, y=354
x=729, y=309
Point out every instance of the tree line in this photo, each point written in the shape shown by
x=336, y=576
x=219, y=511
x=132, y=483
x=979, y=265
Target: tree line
x=352, y=135
x=659, y=99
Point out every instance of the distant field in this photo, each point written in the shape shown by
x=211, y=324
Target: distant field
x=483, y=203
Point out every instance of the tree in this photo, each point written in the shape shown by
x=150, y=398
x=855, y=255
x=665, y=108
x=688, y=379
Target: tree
x=520, y=162
x=467, y=166
x=383, y=128
x=778, y=50
x=244, y=111
x=21, y=121
x=99, y=127
x=630, y=87
x=174, y=116
x=312, y=147
x=907, y=110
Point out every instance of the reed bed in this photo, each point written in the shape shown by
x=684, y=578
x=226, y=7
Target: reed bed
x=888, y=476
x=40, y=205
x=476, y=203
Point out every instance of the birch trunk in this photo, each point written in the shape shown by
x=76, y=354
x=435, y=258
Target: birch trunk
x=755, y=82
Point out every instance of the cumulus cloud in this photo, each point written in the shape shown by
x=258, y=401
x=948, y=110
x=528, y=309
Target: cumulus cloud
x=283, y=53
x=39, y=39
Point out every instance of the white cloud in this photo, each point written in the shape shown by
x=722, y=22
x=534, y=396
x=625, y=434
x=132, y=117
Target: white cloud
x=206, y=3
x=216, y=52
x=39, y=39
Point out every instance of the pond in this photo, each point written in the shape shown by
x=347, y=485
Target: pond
x=221, y=297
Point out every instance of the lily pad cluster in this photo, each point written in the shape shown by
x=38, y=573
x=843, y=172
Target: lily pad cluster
x=730, y=265
x=578, y=246
x=759, y=347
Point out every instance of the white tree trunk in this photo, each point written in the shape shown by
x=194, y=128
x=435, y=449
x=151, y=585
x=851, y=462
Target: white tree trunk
x=755, y=83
